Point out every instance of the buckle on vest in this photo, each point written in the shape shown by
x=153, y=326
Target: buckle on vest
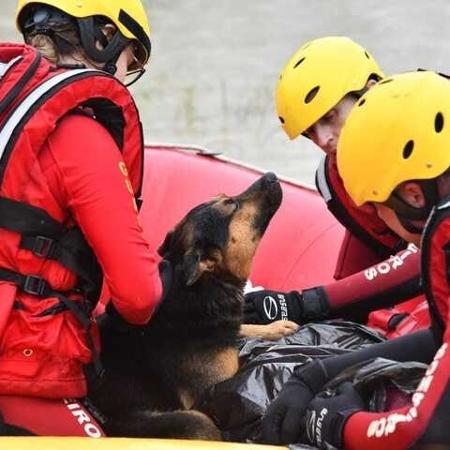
x=35, y=286
x=43, y=246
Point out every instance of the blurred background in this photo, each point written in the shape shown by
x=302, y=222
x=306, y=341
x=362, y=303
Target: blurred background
x=215, y=64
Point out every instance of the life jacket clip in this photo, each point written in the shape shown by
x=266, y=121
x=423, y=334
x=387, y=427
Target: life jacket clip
x=35, y=285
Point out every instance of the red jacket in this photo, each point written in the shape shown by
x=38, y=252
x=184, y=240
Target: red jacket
x=73, y=168
x=400, y=429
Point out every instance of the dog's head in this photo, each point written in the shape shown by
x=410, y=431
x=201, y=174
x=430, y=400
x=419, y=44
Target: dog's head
x=220, y=237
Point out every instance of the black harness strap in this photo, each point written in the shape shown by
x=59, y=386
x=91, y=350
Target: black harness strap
x=71, y=250
x=47, y=238
x=27, y=219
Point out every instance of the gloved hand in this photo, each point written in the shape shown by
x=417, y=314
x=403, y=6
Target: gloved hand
x=282, y=422
x=326, y=417
x=263, y=307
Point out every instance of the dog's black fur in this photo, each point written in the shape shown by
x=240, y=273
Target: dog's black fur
x=190, y=343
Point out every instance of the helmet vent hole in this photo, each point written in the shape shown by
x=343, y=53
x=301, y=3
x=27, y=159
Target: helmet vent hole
x=408, y=149
x=311, y=94
x=386, y=81
x=367, y=55
x=361, y=102
x=281, y=119
x=299, y=62
x=439, y=122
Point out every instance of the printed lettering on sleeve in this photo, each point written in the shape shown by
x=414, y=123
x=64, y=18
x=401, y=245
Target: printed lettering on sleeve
x=393, y=263
x=387, y=425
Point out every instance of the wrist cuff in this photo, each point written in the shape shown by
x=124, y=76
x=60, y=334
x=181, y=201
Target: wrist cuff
x=315, y=304
x=314, y=375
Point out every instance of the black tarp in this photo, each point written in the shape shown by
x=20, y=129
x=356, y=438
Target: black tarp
x=237, y=405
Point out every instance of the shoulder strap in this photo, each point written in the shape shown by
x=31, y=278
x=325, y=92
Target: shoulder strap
x=25, y=61
x=34, y=100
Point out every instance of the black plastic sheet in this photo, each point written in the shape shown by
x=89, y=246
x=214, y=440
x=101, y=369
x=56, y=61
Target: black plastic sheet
x=237, y=405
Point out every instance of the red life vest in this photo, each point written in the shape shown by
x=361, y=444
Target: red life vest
x=34, y=96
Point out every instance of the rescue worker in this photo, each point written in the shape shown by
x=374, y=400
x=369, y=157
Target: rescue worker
x=316, y=91
x=71, y=168
x=392, y=152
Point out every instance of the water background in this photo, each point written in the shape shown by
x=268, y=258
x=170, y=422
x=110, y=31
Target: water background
x=215, y=64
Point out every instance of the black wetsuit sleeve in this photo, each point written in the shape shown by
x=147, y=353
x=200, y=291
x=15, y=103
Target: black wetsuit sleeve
x=419, y=346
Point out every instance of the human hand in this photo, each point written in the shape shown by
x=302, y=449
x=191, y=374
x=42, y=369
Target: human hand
x=263, y=307
x=326, y=416
x=282, y=422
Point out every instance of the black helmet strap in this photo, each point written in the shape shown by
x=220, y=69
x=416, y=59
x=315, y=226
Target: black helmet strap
x=90, y=34
x=407, y=213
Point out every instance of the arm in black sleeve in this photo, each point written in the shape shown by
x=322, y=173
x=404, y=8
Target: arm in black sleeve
x=419, y=346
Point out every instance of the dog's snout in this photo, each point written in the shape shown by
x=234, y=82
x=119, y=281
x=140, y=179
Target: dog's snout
x=270, y=177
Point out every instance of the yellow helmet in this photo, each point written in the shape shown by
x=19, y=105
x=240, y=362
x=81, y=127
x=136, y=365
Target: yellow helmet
x=127, y=15
x=398, y=131
x=320, y=74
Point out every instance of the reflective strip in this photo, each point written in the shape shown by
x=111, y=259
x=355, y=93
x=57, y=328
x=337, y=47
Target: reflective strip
x=322, y=184
x=30, y=100
x=5, y=67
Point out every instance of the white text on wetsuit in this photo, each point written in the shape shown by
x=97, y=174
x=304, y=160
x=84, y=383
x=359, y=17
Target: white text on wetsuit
x=387, y=425
x=392, y=263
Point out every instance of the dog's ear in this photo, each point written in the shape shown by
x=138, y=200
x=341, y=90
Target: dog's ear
x=165, y=246
x=195, y=264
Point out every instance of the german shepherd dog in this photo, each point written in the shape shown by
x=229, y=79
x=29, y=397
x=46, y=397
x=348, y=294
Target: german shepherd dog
x=155, y=373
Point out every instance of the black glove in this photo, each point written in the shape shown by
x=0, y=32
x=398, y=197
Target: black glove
x=326, y=416
x=281, y=423
x=264, y=307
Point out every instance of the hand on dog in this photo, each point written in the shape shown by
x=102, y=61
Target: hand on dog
x=271, y=332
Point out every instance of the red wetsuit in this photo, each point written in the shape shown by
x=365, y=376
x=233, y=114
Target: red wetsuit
x=41, y=416
x=380, y=272
x=426, y=420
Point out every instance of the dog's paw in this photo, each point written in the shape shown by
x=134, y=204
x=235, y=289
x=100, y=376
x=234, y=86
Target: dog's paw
x=278, y=329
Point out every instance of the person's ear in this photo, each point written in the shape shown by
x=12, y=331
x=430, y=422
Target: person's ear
x=105, y=35
x=412, y=193
x=370, y=83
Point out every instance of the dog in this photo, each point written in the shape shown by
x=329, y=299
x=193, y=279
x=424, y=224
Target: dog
x=155, y=373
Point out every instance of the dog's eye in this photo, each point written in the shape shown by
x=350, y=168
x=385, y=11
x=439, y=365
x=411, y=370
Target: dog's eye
x=232, y=201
